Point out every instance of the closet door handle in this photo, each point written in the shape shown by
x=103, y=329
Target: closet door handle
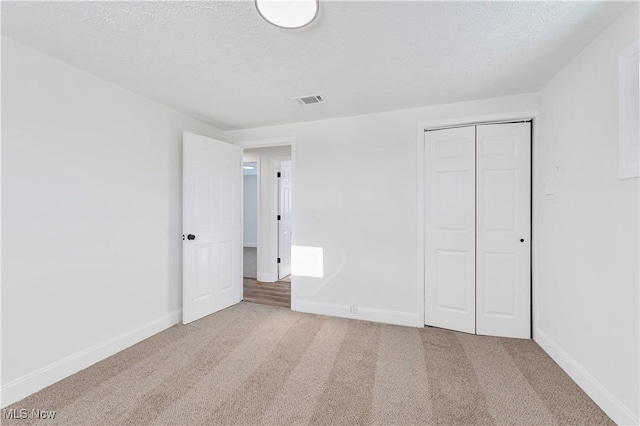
x=522, y=240
x=191, y=237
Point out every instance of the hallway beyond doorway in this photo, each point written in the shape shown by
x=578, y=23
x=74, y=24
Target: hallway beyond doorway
x=273, y=294
x=250, y=260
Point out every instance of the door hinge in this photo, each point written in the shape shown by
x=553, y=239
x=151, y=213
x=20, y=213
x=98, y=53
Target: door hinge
x=278, y=175
x=278, y=217
x=278, y=260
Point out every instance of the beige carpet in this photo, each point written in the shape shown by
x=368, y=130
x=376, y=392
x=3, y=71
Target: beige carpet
x=255, y=364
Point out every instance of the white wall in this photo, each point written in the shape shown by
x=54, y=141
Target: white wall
x=250, y=210
x=267, y=208
x=92, y=217
x=355, y=197
x=586, y=284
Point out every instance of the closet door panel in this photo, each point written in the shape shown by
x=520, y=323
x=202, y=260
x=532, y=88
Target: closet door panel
x=450, y=229
x=503, y=222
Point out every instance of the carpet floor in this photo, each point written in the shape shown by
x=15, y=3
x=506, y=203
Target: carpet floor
x=253, y=364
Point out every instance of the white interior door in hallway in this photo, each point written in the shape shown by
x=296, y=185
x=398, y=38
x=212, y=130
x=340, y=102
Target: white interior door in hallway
x=284, y=220
x=212, y=239
x=477, y=229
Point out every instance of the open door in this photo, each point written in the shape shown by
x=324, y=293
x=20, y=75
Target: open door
x=284, y=222
x=212, y=239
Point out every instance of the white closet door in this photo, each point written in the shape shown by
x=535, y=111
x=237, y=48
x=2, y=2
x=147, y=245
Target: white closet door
x=450, y=229
x=503, y=225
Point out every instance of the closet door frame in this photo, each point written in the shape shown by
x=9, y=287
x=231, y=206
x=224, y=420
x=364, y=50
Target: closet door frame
x=422, y=127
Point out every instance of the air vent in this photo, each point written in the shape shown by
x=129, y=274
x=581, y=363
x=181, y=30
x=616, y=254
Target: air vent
x=310, y=100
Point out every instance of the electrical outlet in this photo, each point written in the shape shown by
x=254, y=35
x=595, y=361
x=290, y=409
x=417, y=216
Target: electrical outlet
x=354, y=309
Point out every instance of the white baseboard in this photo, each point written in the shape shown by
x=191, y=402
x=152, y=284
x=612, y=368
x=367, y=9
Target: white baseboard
x=33, y=382
x=367, y=314
x=615, y=409
x=267, y=277
x=253, y=245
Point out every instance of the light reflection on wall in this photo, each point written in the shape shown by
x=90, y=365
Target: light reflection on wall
x=307, y=261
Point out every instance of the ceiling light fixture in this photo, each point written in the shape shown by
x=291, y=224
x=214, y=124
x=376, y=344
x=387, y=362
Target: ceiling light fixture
x=289, y=14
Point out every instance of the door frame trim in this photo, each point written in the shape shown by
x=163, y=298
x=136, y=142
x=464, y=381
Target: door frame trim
x=269, y=143
x=424, y=126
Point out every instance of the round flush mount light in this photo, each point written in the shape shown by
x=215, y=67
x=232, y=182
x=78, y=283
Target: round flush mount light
x=289, y=14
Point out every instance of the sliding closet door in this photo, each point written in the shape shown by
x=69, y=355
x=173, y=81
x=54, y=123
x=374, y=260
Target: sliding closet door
x=450, y=229
x=503, y=227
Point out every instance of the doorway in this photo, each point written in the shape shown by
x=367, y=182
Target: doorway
x=267, y=225
x=250, y=219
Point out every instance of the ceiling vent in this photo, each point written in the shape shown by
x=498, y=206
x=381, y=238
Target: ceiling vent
x=310, y=100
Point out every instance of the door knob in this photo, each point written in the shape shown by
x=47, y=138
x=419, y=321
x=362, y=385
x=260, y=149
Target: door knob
x=191, y=237
x=522, y=240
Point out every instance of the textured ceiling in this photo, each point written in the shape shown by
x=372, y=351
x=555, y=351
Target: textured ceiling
x=220, y=62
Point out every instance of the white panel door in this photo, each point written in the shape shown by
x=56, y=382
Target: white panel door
x=212, y=246
x=450, y=229
x=503, y=227
x=284, y=224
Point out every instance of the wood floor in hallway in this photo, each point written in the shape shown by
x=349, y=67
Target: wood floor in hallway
x=273, y=294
